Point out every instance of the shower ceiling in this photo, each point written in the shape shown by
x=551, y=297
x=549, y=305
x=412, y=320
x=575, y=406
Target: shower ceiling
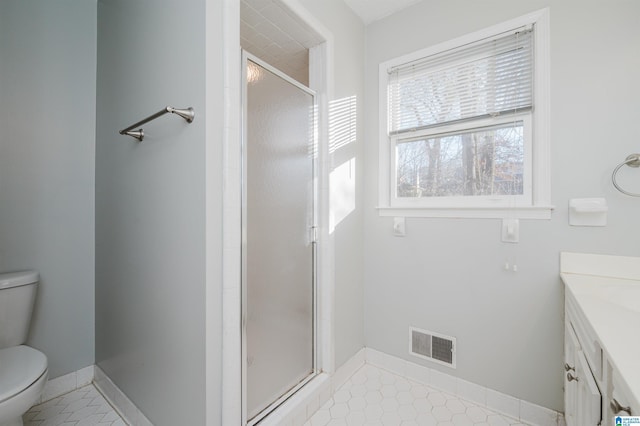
x=271, y=32
x=274, y=34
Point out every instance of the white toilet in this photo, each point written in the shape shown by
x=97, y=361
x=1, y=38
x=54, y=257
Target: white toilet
x=23, y=370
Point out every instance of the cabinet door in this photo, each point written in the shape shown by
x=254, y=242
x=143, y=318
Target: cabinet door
x=571, y=347
x=588, y=398
x=619, y=404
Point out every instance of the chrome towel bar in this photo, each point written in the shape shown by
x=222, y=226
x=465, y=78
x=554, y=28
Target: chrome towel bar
x=188, y=114
x=632, y=160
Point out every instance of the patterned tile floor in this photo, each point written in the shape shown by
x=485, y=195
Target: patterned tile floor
x=82, y=407
x=373, y=396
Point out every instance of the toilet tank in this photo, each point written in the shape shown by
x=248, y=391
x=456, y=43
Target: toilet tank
x=17, y=295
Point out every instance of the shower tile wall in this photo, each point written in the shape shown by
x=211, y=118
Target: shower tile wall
x=277, y=37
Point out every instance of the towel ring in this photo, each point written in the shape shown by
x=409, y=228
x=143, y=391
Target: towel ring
x=632, y=160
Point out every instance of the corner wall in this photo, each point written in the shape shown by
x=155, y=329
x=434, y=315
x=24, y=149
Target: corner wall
x=47, y=152
x=447, y=275
x=152, y=217
x=346, y=183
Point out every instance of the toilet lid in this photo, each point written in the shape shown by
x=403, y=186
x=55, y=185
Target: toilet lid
x=20, y=367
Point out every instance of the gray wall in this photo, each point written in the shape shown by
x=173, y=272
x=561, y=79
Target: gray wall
x=47, y=147
x=348, y=61
x=150, y=207
x=446, y=275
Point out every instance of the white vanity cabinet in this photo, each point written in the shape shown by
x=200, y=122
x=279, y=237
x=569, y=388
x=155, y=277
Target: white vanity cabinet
x=582, y=397
x=571, y=346
x=620, y=403
x=602, y=350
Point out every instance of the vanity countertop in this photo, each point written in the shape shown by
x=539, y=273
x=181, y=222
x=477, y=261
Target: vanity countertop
x=607, y=291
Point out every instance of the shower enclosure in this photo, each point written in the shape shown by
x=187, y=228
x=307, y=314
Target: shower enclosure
x=279, y=238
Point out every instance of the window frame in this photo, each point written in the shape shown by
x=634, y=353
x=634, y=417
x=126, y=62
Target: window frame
x=462, y=201
x=534, y=205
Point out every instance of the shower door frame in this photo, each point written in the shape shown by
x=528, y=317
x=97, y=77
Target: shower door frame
x=224, y=403
x=313, y=238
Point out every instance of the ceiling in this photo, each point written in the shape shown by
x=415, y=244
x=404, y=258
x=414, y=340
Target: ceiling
x=270, y=31
x=372, y=10
x=274, y=34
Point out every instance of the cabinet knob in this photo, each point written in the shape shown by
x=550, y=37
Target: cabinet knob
x=571, y=378
x=617, y=408
x=567, y=367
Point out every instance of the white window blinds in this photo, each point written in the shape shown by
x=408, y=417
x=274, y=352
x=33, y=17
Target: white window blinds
x=485, y=78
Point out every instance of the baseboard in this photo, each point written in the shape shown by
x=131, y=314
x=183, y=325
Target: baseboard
x=295, y=411
x=67, y=383
x=85, y=376
x=118, y=400
x=348, y=369
x=496, y=401
x=304, y=403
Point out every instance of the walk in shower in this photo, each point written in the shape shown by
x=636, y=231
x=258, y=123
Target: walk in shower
x=278, y=238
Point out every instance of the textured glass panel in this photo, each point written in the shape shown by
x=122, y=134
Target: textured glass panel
x=279, y=213
x=476, y=163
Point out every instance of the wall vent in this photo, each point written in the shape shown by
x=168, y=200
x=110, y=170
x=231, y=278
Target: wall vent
x=432, y=346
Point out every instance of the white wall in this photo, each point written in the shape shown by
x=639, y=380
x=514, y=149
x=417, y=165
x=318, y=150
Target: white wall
x=151, y=207
x=47, y=148
x=446, y=275
x=347, y=172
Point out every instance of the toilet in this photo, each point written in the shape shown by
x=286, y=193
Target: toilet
x=23, y=370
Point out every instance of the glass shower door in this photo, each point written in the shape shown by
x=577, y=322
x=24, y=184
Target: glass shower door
x=278, y=246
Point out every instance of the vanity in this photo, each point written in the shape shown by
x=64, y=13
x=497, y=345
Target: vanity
x=602, y=338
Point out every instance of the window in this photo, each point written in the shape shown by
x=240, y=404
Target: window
x=464, y=126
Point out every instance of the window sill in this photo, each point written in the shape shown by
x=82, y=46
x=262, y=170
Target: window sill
x=536, y=212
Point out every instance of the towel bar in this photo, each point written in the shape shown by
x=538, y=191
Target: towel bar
x=188, y=114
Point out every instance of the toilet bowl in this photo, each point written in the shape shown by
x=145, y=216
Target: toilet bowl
x=23, y=373
x=23, y=370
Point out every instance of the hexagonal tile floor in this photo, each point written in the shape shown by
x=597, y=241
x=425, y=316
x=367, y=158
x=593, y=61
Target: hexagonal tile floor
x=373, y=396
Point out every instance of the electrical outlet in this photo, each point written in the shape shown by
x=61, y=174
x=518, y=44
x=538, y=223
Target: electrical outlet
x=399, y=229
